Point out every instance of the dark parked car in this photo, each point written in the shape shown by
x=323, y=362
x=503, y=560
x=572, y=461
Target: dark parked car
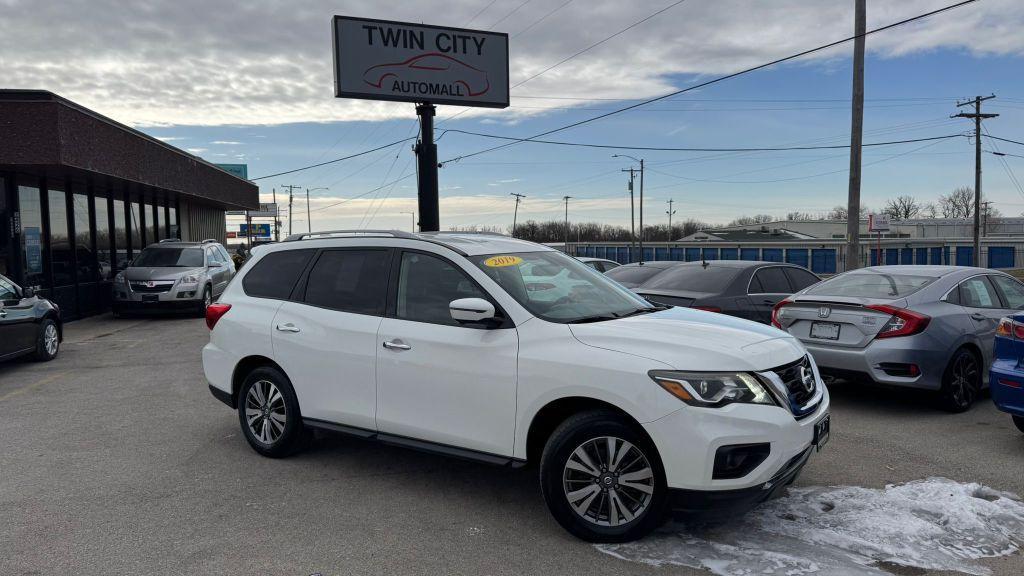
x=635, y=274
x=742, y=288
x=29, y=324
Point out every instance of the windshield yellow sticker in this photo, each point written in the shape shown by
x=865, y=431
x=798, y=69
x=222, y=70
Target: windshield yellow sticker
x=502, y=261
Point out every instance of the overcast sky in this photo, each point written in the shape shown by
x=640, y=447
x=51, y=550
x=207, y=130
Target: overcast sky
x=252, y=82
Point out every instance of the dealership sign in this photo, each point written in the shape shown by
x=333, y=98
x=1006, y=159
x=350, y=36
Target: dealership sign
x=878, y=222
x=382, y=60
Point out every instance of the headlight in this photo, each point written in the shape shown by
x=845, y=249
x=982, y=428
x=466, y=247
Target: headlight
x=713, y=389
x=190, y=279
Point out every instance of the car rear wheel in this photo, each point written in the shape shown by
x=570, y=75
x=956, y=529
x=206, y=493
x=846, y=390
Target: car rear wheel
x=268, y=412
x=602, y=479
x=47, y=341
x=961, y=383
x=1018, y=421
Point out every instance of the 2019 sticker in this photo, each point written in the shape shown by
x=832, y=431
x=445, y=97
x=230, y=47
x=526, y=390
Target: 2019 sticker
x=502, y=261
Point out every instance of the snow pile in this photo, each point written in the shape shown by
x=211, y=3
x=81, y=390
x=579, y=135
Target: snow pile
x=935, y=524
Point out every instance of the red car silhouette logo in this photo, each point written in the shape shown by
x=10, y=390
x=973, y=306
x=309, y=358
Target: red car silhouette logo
x=429, y=68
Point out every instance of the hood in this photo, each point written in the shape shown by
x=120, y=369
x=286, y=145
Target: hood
x=169, y=273
x=689, y=339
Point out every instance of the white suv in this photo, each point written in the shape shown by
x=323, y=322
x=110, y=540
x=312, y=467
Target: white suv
x=436, y=341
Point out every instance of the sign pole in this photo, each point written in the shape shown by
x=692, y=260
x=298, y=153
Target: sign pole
x=426, y=160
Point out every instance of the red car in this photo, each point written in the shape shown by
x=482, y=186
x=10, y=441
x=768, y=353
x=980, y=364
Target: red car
x=425, y=68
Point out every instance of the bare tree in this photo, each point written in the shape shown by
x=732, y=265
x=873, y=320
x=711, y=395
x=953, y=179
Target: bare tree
x=902, y=208
x=755, y=219
x=957, y=204
x=929, y=210
x=839, y=213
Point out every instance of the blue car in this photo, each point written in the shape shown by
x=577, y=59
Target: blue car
x=1006, y=377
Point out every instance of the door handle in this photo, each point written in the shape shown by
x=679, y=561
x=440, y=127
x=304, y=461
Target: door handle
x=396, y=345
x=769, y=302
x=977, y=316
x=289, y=327
x=3, y=313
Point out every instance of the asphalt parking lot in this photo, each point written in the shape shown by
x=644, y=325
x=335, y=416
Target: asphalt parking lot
x=117, y=460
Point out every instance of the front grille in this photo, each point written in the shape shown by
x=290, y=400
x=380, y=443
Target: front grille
x=795, y=377
x=156, y=288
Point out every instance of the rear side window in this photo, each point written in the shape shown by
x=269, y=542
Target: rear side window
x=274, y=275
x=631, y=276
x=1012, y=291
x=800, y=278
x=353, y=281
x=772, y=280
x=977, y=292
x=694, y=279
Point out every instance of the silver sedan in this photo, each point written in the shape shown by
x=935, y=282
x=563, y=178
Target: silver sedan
x=929, y=327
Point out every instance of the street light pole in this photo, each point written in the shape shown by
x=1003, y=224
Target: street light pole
x=309, y=218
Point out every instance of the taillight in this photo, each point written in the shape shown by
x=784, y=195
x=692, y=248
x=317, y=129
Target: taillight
x=777, y=312
x=902, y=322
x=214, y=312
x=708, y=308
x=1010, y=328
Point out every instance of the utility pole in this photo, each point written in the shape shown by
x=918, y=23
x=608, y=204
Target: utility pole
x=309, y=217
x=977, y=116
x=566, y=198
x=291, y=195
x=277, y=220
x=515, y=211
x=632, y=217
x=641, y=210
x=856, y=139
x=670, y=213
x=413, y=220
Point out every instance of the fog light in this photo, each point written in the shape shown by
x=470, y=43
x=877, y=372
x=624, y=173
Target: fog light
x=900, y=369
x=738, y=460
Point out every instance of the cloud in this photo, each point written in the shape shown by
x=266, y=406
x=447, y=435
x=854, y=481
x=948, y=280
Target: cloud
x=269, y=61
x=170, y=138
x=227, y=142
x=196, y=151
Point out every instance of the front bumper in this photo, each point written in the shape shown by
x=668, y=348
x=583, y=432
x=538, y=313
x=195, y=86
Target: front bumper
x=867, y=362
x=1007, y=386
x=688, y=440
x=720, y=504
x=176, y=298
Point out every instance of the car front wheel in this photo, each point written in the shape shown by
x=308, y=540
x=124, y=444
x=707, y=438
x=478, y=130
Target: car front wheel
x=268, y=412
x=47, y=341
x=602, y=479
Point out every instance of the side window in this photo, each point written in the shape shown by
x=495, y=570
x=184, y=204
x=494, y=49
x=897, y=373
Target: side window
x=773, y=280
x=800, y=278
x=275, y=275
x=224, y=256
x=211, y=256
x=427, y=285
x=1012, y=291
x=7, y=290
x=755, y=285
x=978, y=292
x=350, y=281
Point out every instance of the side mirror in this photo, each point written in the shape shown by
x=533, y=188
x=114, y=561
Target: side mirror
x=471, y=310
x=28, y=292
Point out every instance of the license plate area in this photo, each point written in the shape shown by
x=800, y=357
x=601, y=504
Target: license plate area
x=825, y=330
x=150, y=298
x=822, y=428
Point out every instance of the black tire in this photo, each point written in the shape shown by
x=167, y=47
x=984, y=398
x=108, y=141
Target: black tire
x=266, y=436
x=206, y=301
x=1018, y=421
x=961, y=383
x=596, y=523
x=47, y=340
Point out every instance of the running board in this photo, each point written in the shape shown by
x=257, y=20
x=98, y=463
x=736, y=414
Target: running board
x=416, y=444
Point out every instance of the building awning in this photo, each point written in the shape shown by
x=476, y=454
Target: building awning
x=46, y=133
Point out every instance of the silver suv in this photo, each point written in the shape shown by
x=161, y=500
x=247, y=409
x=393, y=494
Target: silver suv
x=174, y=275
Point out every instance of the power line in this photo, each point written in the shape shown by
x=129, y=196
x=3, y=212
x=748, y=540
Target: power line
x=666, y=149
x=1003, y=139
x=718, y=79
x=543, y=18
x=599, y=42
x=367, y=193
x=349, y=157
x=506, y=16
x=479, y=12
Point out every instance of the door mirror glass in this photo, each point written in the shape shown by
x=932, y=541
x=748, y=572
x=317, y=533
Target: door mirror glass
x=471, y=310
x=28, y=292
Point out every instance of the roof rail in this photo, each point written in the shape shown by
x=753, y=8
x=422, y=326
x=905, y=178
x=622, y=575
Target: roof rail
x=371, y=234
x=170, y=240
x=208, y=241
x=479, y=232
x=353, y=232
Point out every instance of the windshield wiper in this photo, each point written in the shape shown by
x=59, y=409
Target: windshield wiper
x=595, y=318
x=638, y=311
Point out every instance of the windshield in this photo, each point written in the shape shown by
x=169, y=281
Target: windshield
x=170, y=258
x=872, y=285
x=633, y=276
x=558, y=288
x=695, y=278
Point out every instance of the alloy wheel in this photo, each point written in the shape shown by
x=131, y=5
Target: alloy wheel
x=265, y=411
x=207, y=298
x=965, y=377
x=50, y=340
x=608, y=481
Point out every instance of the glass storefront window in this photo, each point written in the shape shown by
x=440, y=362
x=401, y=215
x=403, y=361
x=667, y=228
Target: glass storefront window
x=172, y=222
x=60, y=244
x=135, y=225
x=31, y=234
x=120, y=236
x=5, y=228
x=150, y=224
x=102, y=238
x=83, y=238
